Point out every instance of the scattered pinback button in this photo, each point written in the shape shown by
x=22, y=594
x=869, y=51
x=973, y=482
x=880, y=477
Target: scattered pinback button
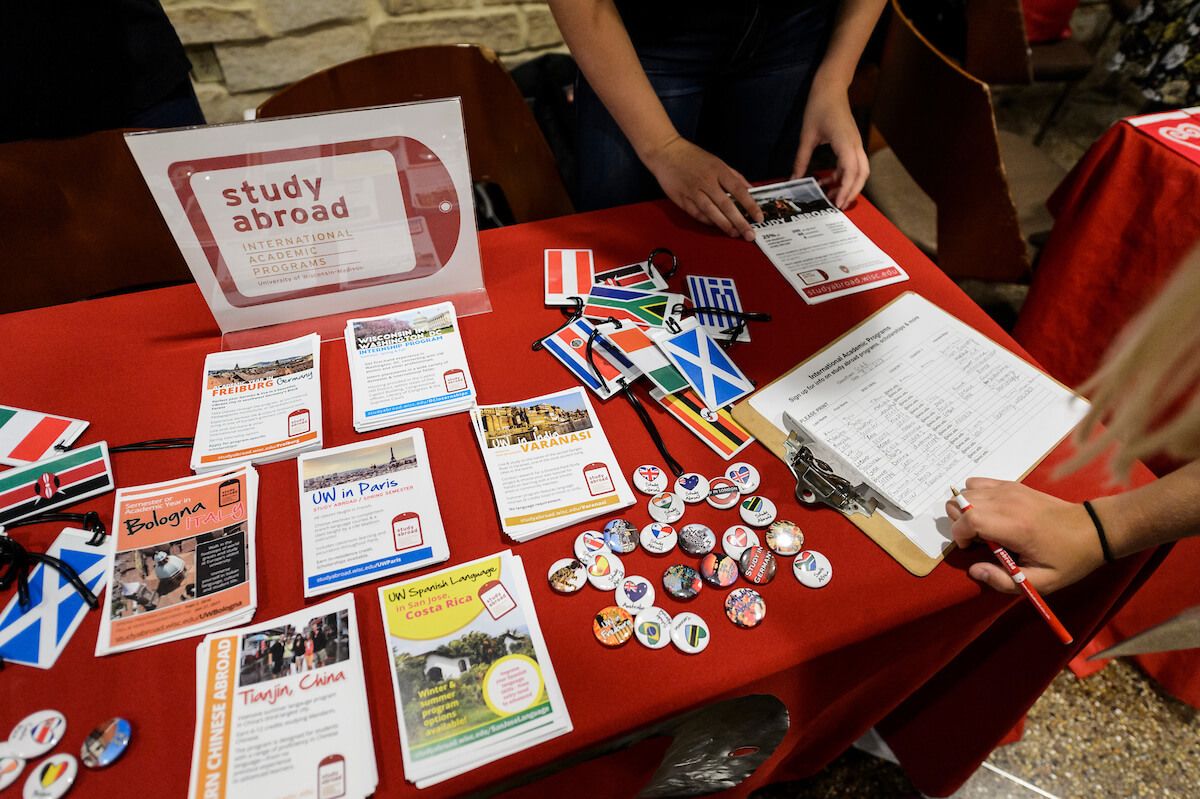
x=682, y=581
x=744, y=476
x=691, y=487
x=666, y=507
x=606, y=571
x=621, y=536
x=738, y=539
x=722, y=493
x=52, y=778
x=719, y=569
x=812, y=569
x=658, y=538
x=36, y=734
x=566, y=576
x=649, y=479
x=745, y=607
x=588, y=544
x=757, y=564
x=635, y=594
x=653, y=628
x=697, y=539
x=689, y=633
x=784, y=537
x=757, y=511
x=105, y=744
x=612, y=626
x=10, y=770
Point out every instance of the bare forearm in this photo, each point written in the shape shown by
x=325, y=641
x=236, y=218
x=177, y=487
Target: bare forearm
x=856, y=19
x=1166, y=510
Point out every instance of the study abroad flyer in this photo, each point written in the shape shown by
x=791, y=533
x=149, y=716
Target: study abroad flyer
x=368, y=510
x=183, y=560
x=259, y=405
x=815, y=246
x=471, y=674
x=281, y=710
x=549, y=463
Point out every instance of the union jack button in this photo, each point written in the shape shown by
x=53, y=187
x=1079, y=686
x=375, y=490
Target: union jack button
x=649, y=479
x=652, y=627
x=665, y=507
x=722, y=493
x=36, y=734
x=757, y=511
x=690, y=633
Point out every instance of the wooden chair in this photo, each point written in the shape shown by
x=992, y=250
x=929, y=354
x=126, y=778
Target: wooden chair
x=967, y=194
x=505, y=145
x=77, y=222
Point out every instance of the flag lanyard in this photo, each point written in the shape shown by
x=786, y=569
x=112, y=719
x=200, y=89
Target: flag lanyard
x=180, y=442
x=731, y=332
x=16, y=560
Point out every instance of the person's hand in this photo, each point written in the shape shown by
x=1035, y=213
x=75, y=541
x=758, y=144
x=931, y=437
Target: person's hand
x=1053, y=540
x=827, y=120
x=701, y=184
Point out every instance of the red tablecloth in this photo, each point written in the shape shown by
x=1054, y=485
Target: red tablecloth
x=942, y=666
x=1124, y=217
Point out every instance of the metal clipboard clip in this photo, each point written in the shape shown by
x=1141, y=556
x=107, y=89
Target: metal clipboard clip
x=823, y=477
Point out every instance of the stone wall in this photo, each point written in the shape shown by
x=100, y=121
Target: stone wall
x=242, y=51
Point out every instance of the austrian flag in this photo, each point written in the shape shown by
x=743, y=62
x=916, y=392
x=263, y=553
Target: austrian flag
x=568, y=274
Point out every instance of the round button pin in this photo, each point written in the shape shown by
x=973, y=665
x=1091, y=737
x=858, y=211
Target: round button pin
x=691, y=487
x=812, y=569
x=606, y=571
x=566, y=576
x=649, y=479
x=784, y=537
x=744, y=476
x=11, y=768
x=722, y=493
x=621, y=536
x=745, y=607
x=757, y=511
x=52, y=778
x=105, y=744
x=682, y=581
x=690, y=633
x=612, y=626
x=666, y=507
x=697, y=539
x=635, y=594
x=658, y=538
x=588, y=544
x=757, y=564
x=653, y=628
x=36, y=734
x=718, y=569
x=737, y=539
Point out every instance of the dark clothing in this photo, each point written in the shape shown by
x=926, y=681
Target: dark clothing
x=276, y=656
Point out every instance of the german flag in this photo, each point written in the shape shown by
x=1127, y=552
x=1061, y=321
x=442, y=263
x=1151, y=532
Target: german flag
x=718, y=430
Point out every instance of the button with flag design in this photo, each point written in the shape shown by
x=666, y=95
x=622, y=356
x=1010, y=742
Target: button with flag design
x=757, y=511
x=744, y=476
x=52, y=778
x=690, y=633
x=649, y=479
x=621, y=536
x=722, y=493
x=718, y=569
x=566, y=576
x=653, y=628
x=812, y=569
x=691, y=487
x=635, y=594
x=666, y=507
x=612, y=626
x=784, y=537
x=682, y=582
x=658, y=538
x=738, y=539
x=745, y=607
x=697, y=539
x=606, y=571
x=105, y=744
x=36, y=734
x=757, y=564
x=10, y=769
x=588, y=545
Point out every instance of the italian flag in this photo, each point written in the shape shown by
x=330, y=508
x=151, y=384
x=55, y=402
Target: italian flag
x=27, y=436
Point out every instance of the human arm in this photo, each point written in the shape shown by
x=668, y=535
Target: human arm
x=827, y=117
x=694, y=179
x=1056, y=541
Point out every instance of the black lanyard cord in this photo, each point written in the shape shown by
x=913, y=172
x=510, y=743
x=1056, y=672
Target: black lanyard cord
x=16, y=561
x=155, y=443
x=574, y=313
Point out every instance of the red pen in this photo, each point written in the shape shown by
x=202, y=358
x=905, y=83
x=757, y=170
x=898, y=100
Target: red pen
x=1018, y=577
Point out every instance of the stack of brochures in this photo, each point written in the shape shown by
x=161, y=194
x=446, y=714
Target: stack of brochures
x=407, y=366
x=281, y=709
x=182, y=557
x=259, y=405
x=472, y=678
x=549, y=462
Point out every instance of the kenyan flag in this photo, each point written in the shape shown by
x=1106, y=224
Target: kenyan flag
x=54, y=482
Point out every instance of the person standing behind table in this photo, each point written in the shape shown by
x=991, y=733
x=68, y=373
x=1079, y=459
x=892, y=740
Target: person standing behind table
x=700, y=97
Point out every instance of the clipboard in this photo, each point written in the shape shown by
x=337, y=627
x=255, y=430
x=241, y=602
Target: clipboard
x=876, y=526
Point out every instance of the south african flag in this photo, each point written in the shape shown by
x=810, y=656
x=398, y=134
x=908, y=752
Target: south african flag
x=645, y=308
